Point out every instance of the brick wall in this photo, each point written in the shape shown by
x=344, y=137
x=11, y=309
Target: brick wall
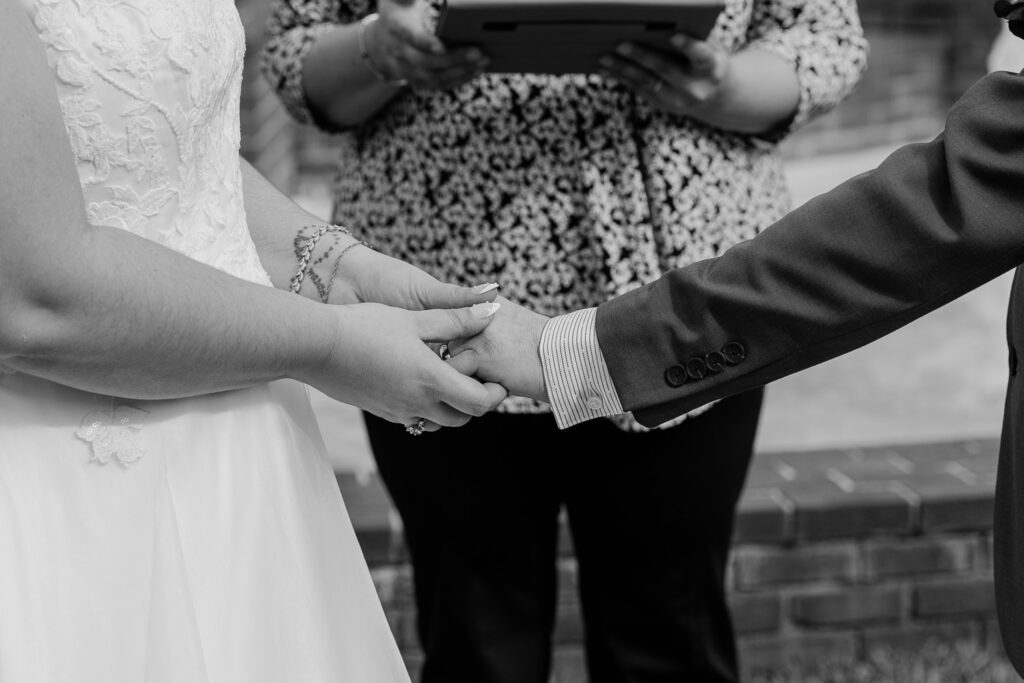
x=836, y=554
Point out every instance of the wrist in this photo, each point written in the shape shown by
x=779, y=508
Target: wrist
x=319, y=250
x=372, y=53
x=322, y=329
x=718, y=105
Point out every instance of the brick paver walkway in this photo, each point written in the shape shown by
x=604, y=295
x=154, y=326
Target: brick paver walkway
x=800, y=496
x=921, y=488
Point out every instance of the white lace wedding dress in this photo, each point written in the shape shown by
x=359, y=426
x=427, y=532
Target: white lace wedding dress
x=187, y=541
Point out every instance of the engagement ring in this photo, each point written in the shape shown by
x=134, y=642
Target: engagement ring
x=416, y=429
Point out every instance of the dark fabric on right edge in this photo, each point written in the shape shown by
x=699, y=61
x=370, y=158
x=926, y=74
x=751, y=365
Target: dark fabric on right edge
x=931, y=223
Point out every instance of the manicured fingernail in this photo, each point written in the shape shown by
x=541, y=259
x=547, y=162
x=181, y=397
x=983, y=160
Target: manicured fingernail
x=625, y=49
x=679, y=40
x=485, y=310
x=606, y=62
x=487, y=287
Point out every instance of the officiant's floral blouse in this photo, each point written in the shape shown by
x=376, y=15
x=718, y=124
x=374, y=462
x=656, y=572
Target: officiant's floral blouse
x=568, y=190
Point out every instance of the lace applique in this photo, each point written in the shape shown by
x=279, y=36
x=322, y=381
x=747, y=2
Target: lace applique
x=4, y=370
x=112, y=434
x=150, y=94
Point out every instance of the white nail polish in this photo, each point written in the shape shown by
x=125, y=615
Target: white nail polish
x=485, y=310
x=484, y=288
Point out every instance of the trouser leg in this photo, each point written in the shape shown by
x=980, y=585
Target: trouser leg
x=652, y=516
x=479, y=509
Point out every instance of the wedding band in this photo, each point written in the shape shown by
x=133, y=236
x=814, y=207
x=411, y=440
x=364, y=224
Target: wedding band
x=444, y=353
x=417, y=429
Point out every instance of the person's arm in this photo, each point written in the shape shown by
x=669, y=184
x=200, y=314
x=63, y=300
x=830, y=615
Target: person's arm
x=103, y=310
x=313, y=59
x=341, y=270
x=933, y=222
x=800, y=60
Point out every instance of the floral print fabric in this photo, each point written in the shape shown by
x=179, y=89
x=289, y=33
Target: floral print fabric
x=568, y=190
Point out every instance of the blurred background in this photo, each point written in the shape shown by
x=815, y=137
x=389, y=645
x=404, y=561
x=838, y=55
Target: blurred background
x=901, y=433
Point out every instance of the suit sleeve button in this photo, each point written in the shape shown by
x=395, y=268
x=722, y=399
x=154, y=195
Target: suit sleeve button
x=696, y=368
x=715, y=361
x=675, y=376
x=734, y=353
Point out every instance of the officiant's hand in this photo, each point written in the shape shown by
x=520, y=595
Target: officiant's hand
x=402, y=43
x=691, y=81
x=752, y=91
x=507, y=352
x=367, y=276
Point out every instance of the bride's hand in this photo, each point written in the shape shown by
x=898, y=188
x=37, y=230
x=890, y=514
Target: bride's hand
x=366, y=276
x=380, y=362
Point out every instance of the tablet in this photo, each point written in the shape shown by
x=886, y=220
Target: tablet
x=568, y=36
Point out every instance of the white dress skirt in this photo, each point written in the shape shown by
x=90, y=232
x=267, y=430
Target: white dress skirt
x=199, y=540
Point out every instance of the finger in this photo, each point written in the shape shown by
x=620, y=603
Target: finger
x=701, y=55
x=629, y=72
x=424, y=425
x=637, y=79
x=439, y=64
x=441, y=325
x=435, y=294
x=467, y=362
x=659, y=64
x=455, y=77
x=443, y=415
x=405, y=31
x=467, y=395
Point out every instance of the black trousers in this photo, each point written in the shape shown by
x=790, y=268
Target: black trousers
x=651, y=516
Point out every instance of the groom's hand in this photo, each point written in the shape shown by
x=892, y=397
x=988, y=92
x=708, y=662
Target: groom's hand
x=367, y=276
x=507, y=352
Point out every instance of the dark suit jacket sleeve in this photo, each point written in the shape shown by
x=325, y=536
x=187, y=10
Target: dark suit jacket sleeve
x=931, y=223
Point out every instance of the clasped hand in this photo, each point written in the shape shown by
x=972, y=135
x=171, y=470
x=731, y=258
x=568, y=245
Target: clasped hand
x=689, y=82
x=506, y=352
x=393, y=371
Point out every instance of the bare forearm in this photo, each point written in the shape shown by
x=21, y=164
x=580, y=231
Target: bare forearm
x=119, y=315
x=102, y=309
x=761, y=92
x=339, y=87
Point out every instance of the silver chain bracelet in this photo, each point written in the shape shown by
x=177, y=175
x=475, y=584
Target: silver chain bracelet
x=306, y=252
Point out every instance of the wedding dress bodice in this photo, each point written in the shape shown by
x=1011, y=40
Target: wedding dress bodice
x=150, y=96
x=199, y=539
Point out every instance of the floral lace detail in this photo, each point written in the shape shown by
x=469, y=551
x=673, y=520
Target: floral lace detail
x=112, y=434
x=4, y=370
x=149, y=91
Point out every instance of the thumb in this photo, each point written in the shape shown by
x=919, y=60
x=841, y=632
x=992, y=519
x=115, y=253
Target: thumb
x=442, y=325
x=441, y=295
x=701, y=55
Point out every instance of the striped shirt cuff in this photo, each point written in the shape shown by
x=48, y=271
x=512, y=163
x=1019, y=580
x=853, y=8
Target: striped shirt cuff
x=579, y=386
